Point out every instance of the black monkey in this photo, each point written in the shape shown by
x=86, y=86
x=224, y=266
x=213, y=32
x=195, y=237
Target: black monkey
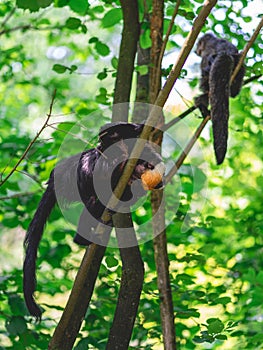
x=74, y=179
x=219, y=59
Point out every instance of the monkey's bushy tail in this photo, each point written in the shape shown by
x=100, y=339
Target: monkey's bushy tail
x=31, y=243
x=219, y=82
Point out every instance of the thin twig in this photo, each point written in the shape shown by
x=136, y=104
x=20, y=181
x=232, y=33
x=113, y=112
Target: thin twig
x=187, y=149
x=19, y=195
x=33, y=141
x=247, y=47
x=177, y=119
x=165, y=41
x=255, y=77
x=20, y=27
x=6, y=19
x=27, y=27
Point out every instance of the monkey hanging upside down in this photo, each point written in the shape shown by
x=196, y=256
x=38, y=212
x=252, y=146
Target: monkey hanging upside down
x=219, y=59
x=80, y=178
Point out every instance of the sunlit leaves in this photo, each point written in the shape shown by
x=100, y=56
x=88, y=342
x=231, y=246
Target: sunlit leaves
x=111, y=18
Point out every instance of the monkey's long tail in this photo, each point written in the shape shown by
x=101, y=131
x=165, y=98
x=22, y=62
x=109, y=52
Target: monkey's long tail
x=31, y=243
x=219, y=79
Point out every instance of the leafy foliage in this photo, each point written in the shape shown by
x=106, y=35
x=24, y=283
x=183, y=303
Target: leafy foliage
x=215, y=265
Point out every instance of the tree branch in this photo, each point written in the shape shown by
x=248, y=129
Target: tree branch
x=9, y=15
x=157, y=200
x=186, y=151
x=131, y=284
x=128, y=48
x=33, y=141
x=165, y=41
x=68, y=327
x=245, y=51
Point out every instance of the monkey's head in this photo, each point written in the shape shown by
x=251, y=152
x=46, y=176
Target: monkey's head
x=121, y=137
x=204, y=43
x=111, y=133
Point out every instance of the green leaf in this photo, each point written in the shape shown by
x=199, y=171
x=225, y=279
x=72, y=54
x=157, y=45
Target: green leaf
x=145, y=40
x=79, y=6
x=10, y=222
x=187, y=314
x=33, y=5
x=142, y=70
x=111, y=261
x=190, y=15
x=92, y=40
x=223, y=300
x=73, y=23
x=221, y=337
x=17, y=305
x=84, y=28
x=16, y=325
x=61, y=3
x=111, y=18
x=102, y=75
x=59, y=68
x=214, y=327
x=114, y=62
x=102, y=97
x=257, y=338
x=102, y=49
x=73, y=68
x=259, y=277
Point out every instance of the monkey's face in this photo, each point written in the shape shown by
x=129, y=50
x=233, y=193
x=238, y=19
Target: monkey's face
x=203, y=44
x=147, y=174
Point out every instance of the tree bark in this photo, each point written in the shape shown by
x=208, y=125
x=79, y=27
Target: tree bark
x=128, y=49
x=131, y=285
x=157, y=200
x=79, y=299
x=69, y=325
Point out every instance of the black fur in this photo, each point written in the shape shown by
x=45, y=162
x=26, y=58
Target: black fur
x=73, y=180
x=219, y=58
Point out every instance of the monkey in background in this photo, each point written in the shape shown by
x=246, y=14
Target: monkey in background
x=219, y=59
x=73, y=180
